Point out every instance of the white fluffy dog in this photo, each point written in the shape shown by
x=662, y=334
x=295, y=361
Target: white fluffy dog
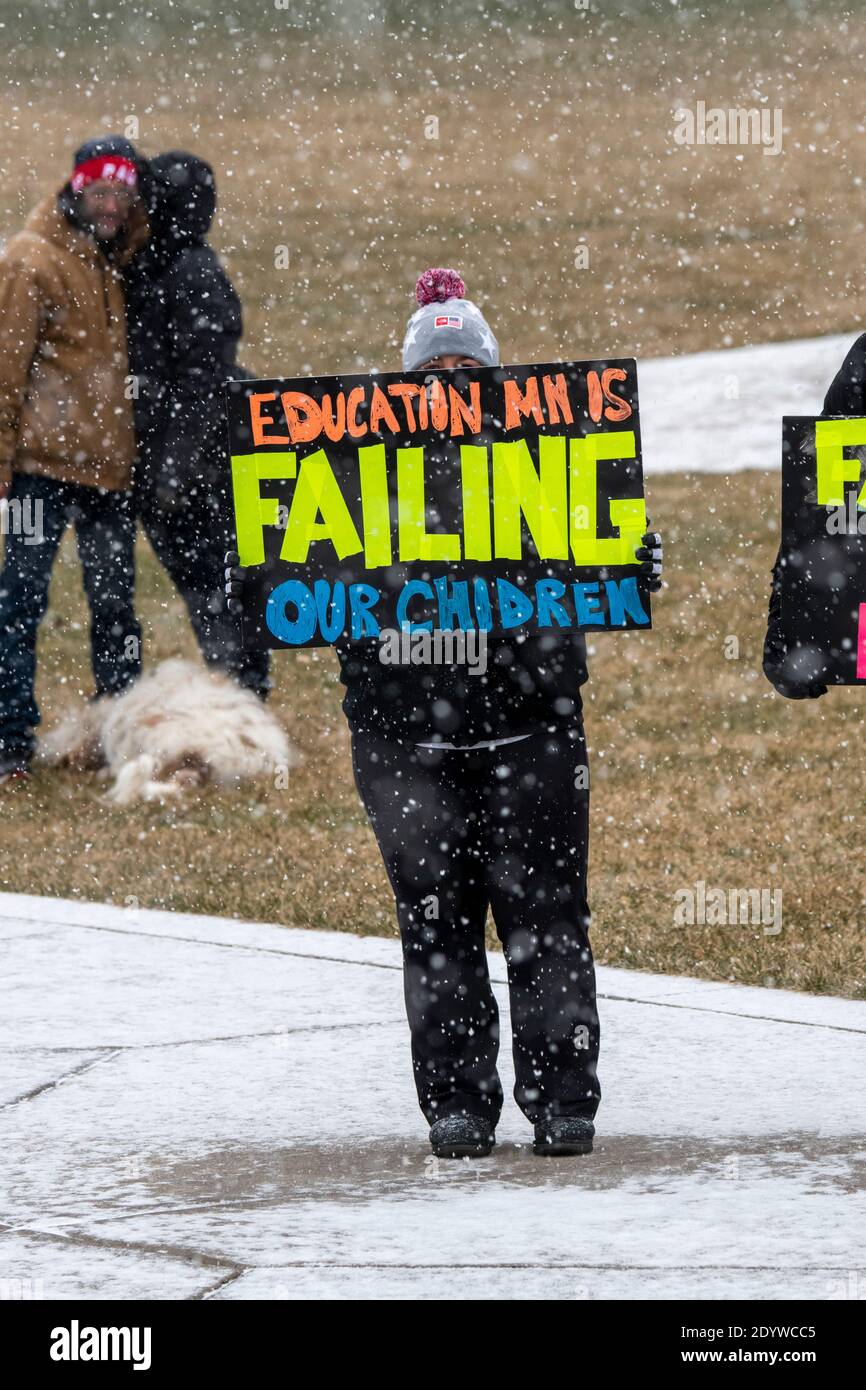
x=178, y=726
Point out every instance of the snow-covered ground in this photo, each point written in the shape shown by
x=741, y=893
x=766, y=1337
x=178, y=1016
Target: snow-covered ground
x=197, y=1107
x=721, y=412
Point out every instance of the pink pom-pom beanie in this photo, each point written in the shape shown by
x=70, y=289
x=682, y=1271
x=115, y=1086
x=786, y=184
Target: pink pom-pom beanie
x=446, y=322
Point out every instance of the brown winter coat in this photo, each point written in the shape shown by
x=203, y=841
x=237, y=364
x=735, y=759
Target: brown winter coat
x=64, y=411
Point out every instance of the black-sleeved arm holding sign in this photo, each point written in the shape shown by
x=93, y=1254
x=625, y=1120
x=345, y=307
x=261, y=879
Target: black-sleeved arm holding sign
x=776, y=651
x=774, y=646
x=846, y=394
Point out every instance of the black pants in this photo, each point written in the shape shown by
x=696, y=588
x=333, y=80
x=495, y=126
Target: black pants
x=190, y=544
x=105, y=530
x=504, y=827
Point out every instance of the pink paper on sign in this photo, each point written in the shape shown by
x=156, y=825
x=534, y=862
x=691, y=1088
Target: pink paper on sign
x=861, y=643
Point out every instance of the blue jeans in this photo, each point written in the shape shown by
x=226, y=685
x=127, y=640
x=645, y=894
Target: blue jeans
x=40, y=510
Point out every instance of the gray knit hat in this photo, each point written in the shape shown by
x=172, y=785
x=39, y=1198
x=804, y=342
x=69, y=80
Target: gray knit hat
x=446, y=323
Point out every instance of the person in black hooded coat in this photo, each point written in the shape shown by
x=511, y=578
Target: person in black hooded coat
x=846, y=395
x=183, y=326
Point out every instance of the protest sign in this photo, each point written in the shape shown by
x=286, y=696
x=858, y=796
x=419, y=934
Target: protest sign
x=823, y=570
x=490, y=498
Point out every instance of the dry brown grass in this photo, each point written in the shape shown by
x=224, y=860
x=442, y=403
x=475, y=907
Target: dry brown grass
x=700, y=772
x=543, y=143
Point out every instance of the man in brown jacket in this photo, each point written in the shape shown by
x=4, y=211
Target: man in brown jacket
x=67, y=445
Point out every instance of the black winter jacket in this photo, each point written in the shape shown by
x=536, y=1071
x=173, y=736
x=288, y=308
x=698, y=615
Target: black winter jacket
x=183, y=327
x=847, y=391
x=846, y=395
x=532, y=684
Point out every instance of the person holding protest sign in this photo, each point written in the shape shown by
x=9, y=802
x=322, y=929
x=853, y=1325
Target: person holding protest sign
x=775, y=648
x=184, y=324
x=846, y=396
x=67, y=445
x=477, y=789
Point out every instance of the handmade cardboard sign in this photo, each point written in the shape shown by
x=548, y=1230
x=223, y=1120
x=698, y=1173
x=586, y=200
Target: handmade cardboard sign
x=489, y=498
x=823, y=571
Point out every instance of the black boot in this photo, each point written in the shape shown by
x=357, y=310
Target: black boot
x=564, y=1134
x=462, y=1136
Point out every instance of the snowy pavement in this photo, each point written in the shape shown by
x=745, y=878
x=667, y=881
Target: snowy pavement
x=721, y=412
x=197, y=1107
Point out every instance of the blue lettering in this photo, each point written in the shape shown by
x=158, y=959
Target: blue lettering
x=454, y=604
x=483, y=611
x=588, y=605
x=322, y=589
x=514, y=605
x=362, y=599
x=550, y=612
x=293, y=631
x=414, y=586
x=623, y=597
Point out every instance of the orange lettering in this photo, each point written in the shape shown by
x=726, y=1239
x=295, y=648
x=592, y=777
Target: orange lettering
x=405, y=390
x=594, y=396
x=380, y=410
x=302, y=427
x=618, y=408
x=438, y=405
x=334, y=428
x=462, y=413
x=356, y=396
x=556, y=399
x=259, y=421
x=518, y=404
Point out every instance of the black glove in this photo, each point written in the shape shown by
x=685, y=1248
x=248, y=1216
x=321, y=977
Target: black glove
x=234, y=588
x=650, y=552
x=798, y=690
x=775, y=650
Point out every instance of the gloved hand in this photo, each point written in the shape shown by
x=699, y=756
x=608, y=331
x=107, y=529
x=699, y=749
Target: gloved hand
x=798, y=690
x=234, y=588
x=650, y=552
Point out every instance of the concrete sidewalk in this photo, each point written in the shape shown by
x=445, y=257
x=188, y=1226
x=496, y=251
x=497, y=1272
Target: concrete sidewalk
x=200, y=1108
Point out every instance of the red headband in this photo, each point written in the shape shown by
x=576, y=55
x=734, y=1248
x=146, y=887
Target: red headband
x=104, y=166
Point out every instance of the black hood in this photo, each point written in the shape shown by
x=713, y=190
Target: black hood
x=179, y=191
